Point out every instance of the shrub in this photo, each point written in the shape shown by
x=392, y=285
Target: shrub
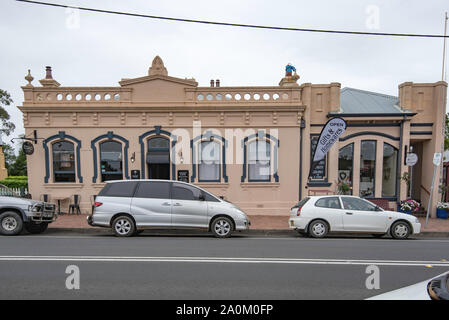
x=15, y=182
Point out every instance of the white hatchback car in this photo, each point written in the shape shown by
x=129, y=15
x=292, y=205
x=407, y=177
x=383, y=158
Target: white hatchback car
x=316, y=216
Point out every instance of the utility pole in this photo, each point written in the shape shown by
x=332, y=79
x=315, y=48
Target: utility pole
x=444, y=46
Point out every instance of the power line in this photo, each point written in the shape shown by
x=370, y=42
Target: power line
x=238, y=24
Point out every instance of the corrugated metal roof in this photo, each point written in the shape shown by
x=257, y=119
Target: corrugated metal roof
x=360, y=101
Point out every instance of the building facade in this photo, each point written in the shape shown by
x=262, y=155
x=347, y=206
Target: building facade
x=251, y=145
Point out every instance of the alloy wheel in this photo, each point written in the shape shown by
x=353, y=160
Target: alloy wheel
x=9, y=223
x=123, y=226
x=222, y=228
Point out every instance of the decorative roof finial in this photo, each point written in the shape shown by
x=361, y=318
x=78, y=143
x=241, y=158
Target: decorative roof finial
x=29, y=78
x=157, y=67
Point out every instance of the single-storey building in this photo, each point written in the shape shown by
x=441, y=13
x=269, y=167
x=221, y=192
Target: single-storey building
x=251, y=145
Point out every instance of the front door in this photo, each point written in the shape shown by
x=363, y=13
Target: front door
x=158, y=158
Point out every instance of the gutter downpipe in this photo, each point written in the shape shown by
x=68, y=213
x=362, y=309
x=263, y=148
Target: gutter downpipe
x=301, y=128
x=399, y=164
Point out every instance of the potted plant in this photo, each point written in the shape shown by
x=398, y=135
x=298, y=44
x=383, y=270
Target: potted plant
x=343, y=188
x=409, y=206
x=443, y=210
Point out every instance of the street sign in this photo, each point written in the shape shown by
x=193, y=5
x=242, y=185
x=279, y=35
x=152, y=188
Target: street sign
x=411, y=159
x=437, y=158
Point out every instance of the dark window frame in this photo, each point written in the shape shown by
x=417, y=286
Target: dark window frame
x=111, y=173
x=59, y=173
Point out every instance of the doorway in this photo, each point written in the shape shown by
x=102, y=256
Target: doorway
x=158, y=158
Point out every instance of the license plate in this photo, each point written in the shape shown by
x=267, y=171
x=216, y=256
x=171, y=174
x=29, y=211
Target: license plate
x=48, y=215
x=292, y=223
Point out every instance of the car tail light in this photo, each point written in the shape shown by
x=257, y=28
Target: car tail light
x=97, y=204
x=298, y=213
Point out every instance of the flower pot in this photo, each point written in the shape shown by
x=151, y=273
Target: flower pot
x=442, y=213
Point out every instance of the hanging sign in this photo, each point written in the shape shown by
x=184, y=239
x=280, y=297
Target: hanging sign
x=28, y=148
x=332, y=130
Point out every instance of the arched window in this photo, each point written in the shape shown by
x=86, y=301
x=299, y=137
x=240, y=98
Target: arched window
x=63, y=161
x=345, y=166
x=111, y=161
x=209, y=161
x=389, y=171
x=259, y=160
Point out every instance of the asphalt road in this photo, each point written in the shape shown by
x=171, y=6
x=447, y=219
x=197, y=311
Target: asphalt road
x=202, y=267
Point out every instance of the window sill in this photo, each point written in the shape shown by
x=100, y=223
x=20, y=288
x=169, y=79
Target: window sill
x=64, y=185
x=260, y=184
x=211, y=184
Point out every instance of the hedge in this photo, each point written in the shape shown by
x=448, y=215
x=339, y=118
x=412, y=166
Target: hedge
x=15, y=182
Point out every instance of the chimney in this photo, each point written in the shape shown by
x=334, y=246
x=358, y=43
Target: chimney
x=48, y=74
x=48, y=81
x=217, y=83
x=212, y=83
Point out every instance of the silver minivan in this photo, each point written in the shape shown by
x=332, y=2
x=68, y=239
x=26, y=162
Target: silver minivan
x=131, y=206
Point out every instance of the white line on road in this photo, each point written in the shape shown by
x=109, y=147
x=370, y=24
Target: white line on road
x=226, y=260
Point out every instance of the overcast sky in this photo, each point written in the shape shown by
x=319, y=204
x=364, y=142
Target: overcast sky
x=99, y=49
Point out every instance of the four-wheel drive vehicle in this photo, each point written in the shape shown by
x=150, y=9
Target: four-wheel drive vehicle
x=316, y=216
x=17, y=213
x=131, y=206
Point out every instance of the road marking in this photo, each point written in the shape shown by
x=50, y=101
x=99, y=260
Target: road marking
x=203, y=237
x=225, y=260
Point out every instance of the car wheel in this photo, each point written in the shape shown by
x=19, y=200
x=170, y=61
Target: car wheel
x=123, y=226
x=36, y=228
x=318, y=229
x=11, y=223
x=400, y=230
x=222, y=227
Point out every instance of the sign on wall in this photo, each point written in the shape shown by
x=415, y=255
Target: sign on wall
x=183, y=175
x=319, y=171
x=135, y=174
x=411, y=159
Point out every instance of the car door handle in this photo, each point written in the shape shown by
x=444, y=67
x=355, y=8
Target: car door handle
x=177, y=204
x=349, y=213
x=166, y=204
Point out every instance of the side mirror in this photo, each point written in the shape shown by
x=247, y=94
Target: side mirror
x=201, y=197
x=378, y=209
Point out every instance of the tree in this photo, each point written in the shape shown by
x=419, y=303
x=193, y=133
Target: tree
x=6, y=126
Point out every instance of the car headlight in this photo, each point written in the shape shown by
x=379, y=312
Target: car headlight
x=35, y=208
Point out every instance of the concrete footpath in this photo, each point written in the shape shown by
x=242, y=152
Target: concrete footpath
x=268, y=225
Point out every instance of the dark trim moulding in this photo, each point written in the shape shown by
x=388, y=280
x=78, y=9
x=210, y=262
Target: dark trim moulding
x=365, y=115
x=365, y=125
x=421, y=124
x=419, y=133
x=367, y=133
